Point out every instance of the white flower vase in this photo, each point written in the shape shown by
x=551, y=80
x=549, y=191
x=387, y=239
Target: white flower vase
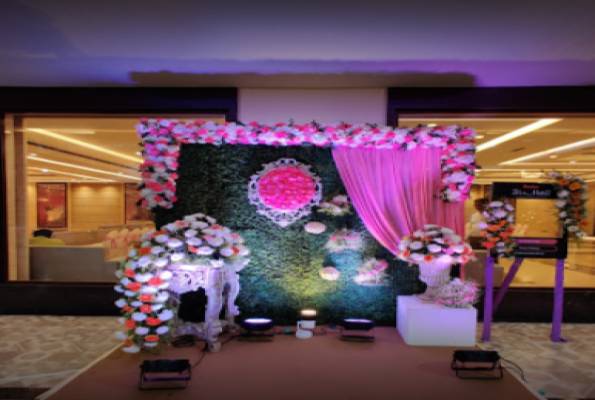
x=434, y=274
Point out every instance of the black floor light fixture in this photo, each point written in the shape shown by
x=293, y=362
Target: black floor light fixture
x=357, y=329
x=477, y=364
x=257, y=329
x=166, y=372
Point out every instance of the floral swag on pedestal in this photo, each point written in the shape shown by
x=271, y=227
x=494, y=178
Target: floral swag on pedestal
x=285, y=191
x=161, y=141
x=434, y=249
x=181, y=257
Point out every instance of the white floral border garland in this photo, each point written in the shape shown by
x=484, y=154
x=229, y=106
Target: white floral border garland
x=162, y=138
x=572, y=192
x=283, y=217
x=149, y=272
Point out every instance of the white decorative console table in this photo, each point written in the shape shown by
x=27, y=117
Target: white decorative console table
x=213, y=280
x=428, y=324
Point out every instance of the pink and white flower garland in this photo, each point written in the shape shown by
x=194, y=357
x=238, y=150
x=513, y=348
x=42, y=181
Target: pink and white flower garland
x=162, y=139
x=150, y=272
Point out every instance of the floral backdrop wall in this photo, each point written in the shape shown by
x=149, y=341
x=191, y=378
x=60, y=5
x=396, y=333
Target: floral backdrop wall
x=284, y=274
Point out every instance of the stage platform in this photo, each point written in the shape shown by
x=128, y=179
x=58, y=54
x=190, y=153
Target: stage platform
x=323, y=367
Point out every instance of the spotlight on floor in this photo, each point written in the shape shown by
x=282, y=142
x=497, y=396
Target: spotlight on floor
x=307, y=321
x=358, y=330
x=257, y=329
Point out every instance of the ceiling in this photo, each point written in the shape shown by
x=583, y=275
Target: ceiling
x=260, y=43
x=100, y=149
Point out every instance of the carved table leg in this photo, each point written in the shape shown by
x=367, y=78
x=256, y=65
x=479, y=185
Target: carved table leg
x=231, y=310
x=214, y=292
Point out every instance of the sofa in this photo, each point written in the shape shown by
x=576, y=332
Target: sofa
x=88, y=255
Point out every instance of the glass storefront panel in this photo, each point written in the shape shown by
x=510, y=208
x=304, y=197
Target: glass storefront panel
x=72, y=195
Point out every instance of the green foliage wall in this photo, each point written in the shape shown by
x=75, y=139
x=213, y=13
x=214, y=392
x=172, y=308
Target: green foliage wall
x=283, y=275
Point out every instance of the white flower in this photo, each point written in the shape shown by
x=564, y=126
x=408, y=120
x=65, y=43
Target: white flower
x=416, y=245
x=500, y=244
x=205, y=251
x=500, y=214
x=120, y=274
x=129, y=293
x=174, y=243
x=445, y=259
x=150, y=344
x=216, y=241
x=448, y=232
x=485, y=214
x=226, y=252
x=482, y=225
x=509, y=207
x=560, y=203
x=120, y=303
x=562, y=214
x=120, y=335
x=139, y=316
x=194, y=242
x=430, y=226
x=165, y=315
x=552, y=174
x=144, y=261
x=568, y=176
x=132, y=253
x=136, y=303
x=162, y=297
x=119, y=289
x=243, y=250
x=496, y=204
x=563, y=194
x=417, y=257
x=434, y=248
x=190, y=233
x=572, y=228
x=455, y=238
x=141, y=330
x=199, y=225
x=131, y=349
x=157, y=307
x=157, y=249
x=161, y=330
x=162, y=238
x=211, y=220
x=125, y=282
x=177, y=257
x=142, y=278
x=165, y=275
x=419, y=234
x=149, y=290
x=458, y=248
x=161, y=262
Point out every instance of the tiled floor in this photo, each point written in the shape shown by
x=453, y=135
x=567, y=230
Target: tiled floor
x=41, y=351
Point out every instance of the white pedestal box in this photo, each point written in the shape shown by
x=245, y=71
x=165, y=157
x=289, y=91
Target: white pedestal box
x=427, y=324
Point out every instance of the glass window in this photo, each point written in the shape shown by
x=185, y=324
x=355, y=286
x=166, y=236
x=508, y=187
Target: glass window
x=72, y=195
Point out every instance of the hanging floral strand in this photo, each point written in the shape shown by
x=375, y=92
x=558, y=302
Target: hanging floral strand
x=571, y=204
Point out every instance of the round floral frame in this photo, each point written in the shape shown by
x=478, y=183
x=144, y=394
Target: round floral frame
x=298, y=190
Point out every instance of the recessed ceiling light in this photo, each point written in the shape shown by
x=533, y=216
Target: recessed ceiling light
x=85, y=144
x=561, y=149
x=572, y=162
x=85, y=168
x=431, y=125
x=519, y=132
x=44, y=170
x=71, y=174
x=33, y=154
x=554, y=156
x=479, y=137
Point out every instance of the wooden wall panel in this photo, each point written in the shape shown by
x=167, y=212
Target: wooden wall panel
x=96, y=204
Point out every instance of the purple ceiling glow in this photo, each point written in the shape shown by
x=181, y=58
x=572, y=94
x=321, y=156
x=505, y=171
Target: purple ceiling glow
x=307, y=43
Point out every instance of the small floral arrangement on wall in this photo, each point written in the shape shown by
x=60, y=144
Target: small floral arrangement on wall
x=497, y=228
x=337, y=206
x=458, y=294
x=345, y=239
x=372, y=273
x=434, y=243
x=571, y=204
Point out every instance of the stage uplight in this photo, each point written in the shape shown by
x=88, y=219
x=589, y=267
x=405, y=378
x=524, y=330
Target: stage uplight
x=307, y=321
x=257, y=329
x=358, y=329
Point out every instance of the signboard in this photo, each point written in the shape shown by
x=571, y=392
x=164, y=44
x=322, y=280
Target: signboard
x=553, y=247
x=519, y=190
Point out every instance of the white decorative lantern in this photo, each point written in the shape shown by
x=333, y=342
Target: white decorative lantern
x=329, y=273
x=315, y=228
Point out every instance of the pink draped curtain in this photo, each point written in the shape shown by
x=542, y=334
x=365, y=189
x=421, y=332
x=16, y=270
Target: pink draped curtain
x=395, y=192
